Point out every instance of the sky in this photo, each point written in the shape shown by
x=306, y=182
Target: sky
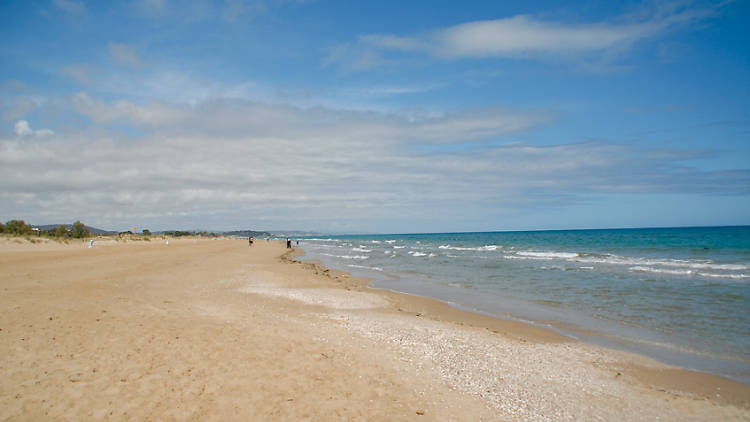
x=375, y=117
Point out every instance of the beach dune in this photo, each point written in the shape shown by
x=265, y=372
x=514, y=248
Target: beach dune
x=217, y=330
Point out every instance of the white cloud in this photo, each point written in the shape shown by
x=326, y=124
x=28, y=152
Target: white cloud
x=81, y=73
x=519, y=36
x=124, y=54
x=18, y=99
x=22, y=128
x=17, y=106
x=234, y=117
x=391, y=90
x=231, y=163
x=524, y=35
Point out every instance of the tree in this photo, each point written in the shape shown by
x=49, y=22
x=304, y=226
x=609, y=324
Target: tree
x=146, y=232
x=80, y=230
x=18, y=227
x=2, y=228
x=61, y=231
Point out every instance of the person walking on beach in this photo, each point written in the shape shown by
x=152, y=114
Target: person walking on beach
x=288, y=243
x=250, y=241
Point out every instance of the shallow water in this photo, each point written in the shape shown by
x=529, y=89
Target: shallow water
x=680, y=295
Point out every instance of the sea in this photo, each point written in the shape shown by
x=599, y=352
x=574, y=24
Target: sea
x=678, y=295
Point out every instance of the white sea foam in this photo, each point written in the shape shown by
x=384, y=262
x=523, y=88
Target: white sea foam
x=548, y=255
x=390, y=241
x=680, y=266
x=399, y=247
x=324, y=246
x=732, y=276
x=662, y=270
x=376, y=242
x=387, y=252
x=457, y=248
x=688, y=272
x=364, y=267
x=412, y=253
x=347, y=256
x=361, y=249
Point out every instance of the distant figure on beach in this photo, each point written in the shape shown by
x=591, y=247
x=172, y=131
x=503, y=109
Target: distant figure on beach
x=288, y=243
x=250, y=240
x=91, y=243
x=297, y=242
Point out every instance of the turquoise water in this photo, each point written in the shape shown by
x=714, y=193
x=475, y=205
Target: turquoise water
x=681, y=295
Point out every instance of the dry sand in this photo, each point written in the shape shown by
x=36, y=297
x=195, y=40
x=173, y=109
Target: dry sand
x=217, y=330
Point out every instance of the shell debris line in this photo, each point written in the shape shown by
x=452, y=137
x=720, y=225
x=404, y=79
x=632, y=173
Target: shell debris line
x=521, y=380
x=328, y=297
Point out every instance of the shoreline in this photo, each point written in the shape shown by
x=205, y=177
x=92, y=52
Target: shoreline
x=212, y=329
x=692, y=321
x=700, y=384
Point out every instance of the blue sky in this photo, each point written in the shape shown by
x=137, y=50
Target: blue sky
x=381, y=116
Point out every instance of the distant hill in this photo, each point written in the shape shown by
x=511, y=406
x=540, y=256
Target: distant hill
x=247, y=233
x=294, y=233
x=92, y=230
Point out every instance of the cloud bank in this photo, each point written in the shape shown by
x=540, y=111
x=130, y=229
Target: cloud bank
x=239, y=163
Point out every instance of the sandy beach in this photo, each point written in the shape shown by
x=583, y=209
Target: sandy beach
x=216, y=330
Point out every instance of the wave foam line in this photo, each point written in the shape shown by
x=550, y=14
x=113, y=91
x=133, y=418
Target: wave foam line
x=347, y=256
x=620, y=260
x=364, y=267
x=688, y=272
x=457, y=248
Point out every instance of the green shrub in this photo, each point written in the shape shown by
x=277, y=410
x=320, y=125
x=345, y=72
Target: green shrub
x=17, y=227
x=80, y=230
x=61, y=231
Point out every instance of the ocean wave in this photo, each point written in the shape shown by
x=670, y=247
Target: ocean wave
x=399, y=247
x=361, y=249
x=661, y=270
x=347, y=256
x=548, y=255
x=323, y=245
x=457, y=248
x=589, y=258
x=324, y=240
x=364, y=267
x=390, y=241
x=689, y=272
x=412, y=253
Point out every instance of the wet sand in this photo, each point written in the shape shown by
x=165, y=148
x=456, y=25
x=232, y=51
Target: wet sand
x=217, y=330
